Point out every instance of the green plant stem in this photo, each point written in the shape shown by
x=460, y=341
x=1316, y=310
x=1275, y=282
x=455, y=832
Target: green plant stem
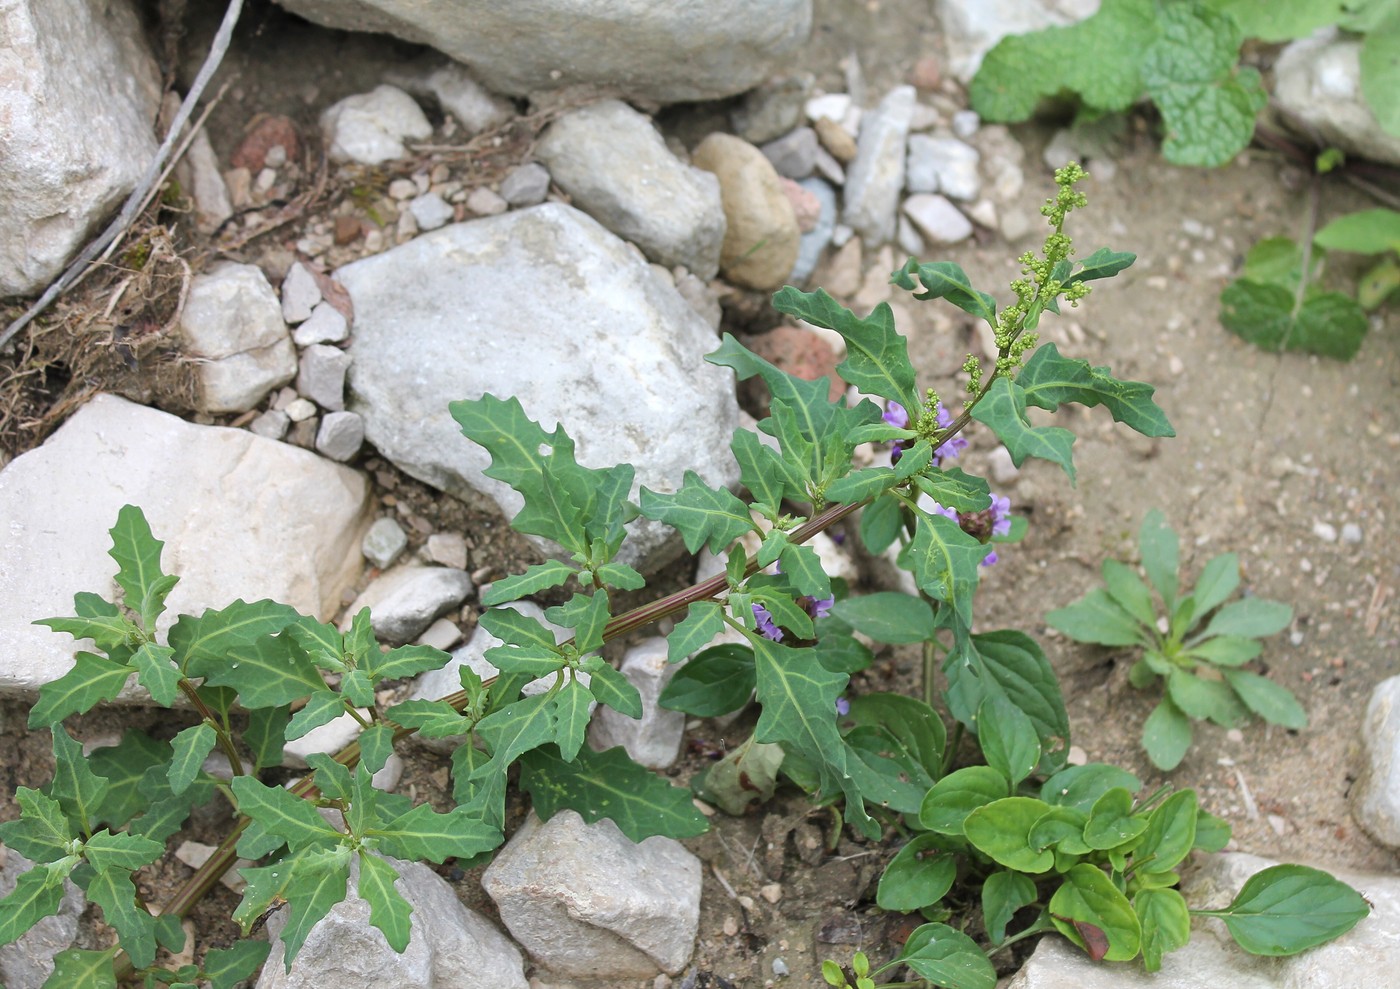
x=952, y=747
x=1042, y=925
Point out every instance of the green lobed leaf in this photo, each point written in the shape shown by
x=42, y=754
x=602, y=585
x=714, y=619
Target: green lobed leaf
x=918, y=876
x=959, y=793
x=137, y=553
x=1285, y=909
x=317, y=883
x=109, y=632
x=1253, y=617
x=322, y=707
x=189, y=749
x=283, y=814
x=703, y=621
x=113, y=891
x=1271, y=701
x=332, y=778
x=1081, y=786
x=877, y=356
x=423, y=833
x=704, y=516
x=406, y=661
x=571, y=713
x=1166, y=735
x=167, y=811
x=41, y=833
x=1280, y=20
x=156, y=672
x=1007, y=738
x=1103, y=263
x=620, y=576
x=946, y=563
x=803, y=568
x=716, y=682
x=431, y=719
x=388, y=910
x=539, y=577
x=952, y=487
x=1003, y=411
x=226, y=967
x=888, y=616
x=587, y=615
x=202, y=644
x=77, y=789
x=269, y=671
x=92, y=680
x=1049, y=380
x=947, y=957
x=266, y=734
x=526, y=724
x=1010, y=664
x=610, y=687
x=945, y=280
x=1165, y=922
x=910, y=723
x=1004, y=893
x=1001, y=829
x=1088, y=897
x=38, y=893
x=769, y=478
x=77, y=968
x=1326, y=323
x=609, y=784
x=881, y=521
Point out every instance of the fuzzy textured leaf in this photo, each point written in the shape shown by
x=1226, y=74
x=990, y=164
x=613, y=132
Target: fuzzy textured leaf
x=137, y=553
x=1326, y=323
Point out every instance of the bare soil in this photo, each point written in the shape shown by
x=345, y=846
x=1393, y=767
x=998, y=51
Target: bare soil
x=1266, y=447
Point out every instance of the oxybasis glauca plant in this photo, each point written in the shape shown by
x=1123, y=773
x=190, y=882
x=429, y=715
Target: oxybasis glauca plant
x=256, y=675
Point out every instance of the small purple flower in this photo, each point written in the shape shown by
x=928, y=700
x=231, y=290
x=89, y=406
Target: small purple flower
x=766, y=626
x=843, y=706
x=1001, y=515
x=818, y=607
x=954, y=445
x=947, y=513
x=994, y=520
x=896, y=415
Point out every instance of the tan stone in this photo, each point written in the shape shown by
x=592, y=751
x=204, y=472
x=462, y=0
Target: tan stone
x=761, y=238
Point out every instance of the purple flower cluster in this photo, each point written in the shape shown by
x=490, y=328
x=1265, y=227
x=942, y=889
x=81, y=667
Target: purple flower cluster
x=898, y=416
x=994, y=520
x=768, y=628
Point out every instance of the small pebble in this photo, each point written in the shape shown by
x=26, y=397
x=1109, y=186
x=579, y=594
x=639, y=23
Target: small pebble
x=966, y=123
x=1325, y=531
x=430, y=211
x=1351, y=533
x=772, y=892
x=780, y=967
x=731, y=927
x=300, y=410
x=403, y=189
x=384, y=542
x=1234, y=735
x=484, y=202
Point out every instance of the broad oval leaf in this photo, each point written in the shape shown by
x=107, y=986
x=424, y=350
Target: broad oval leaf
x=1003, y=894
x=1112, y=823
x=1081, y=786
x=1285, y=909
x=947, y=958
x=1088, y=897
x=1165, y=922
x=1170, y=834
x=1252, y=617
x=1099, y=619
x=918, y=876
x=1002, y=830
x=1271, y=701
x=718, y=681
x=951, y=799
x=1166, y=735
x=1008, y=739
x=888, y=616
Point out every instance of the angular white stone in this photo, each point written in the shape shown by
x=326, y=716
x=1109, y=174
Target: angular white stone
x=1318, y=85
x=321, y=376
x=584, y=901
x=938, y=220
x=300, y=294
x=942, y=164
x=467, y=100
x=326, y=325
x=370, y=128
x=616, y=168
x=875, y=178
x=383, y=543
x=660, y=52
x=449, y=946
x=232, y=322
x=241, y=516
x=655, y=739
x=610, y=350
x=340, y=435
x=405, y=601
x=78, y=99
x=430, y=211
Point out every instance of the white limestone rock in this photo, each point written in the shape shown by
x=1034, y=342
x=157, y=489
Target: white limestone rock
x=610, y=350
x=78, y=102
x=406, y=600
x=371, y=128
x=617, y=169
x=449, y=946
x=942, y=164
x=232, y=324
x=1375, y=799
x=656, y=52
x=586, y=902
x=240, y=515
x=875, y=178
x=1318, y=86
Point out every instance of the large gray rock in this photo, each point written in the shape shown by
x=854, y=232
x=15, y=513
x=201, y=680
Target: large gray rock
x=1318, y=86
x=660, y=52
x=449, y=946
x=971, y=28
x=1375, y=799
x=615, y=167
x=545, y=305
x=654, y=739
x=1365, y=956
x=79, y=93
x=232, y=324
x=241, y=516
x=586, y=902
x=876, y=177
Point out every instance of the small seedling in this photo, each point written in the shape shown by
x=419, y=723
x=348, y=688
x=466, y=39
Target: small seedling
x=1202, y=667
